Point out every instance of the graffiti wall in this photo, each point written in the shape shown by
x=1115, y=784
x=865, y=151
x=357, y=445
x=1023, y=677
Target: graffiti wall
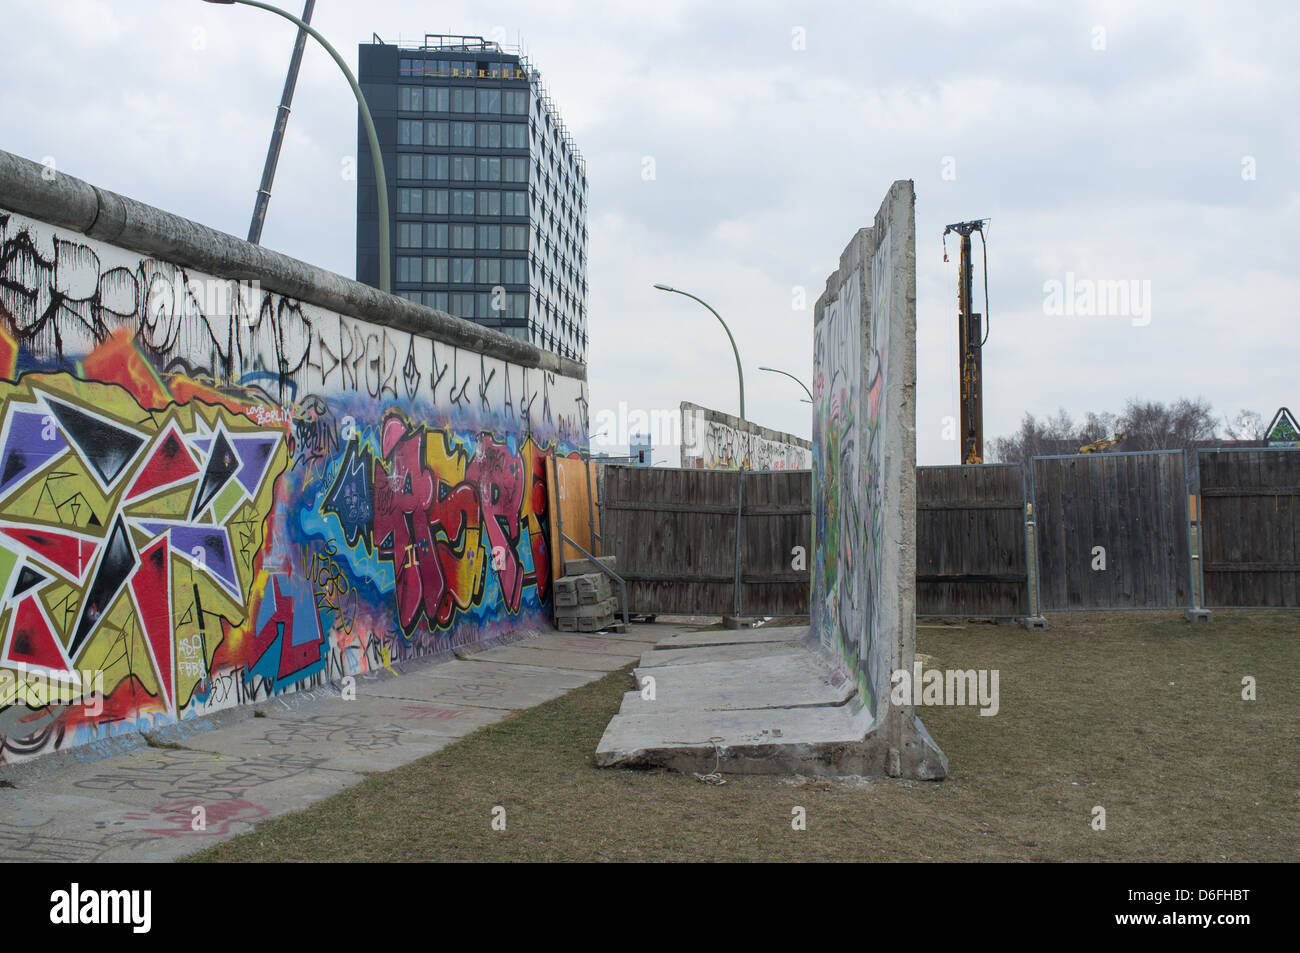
x=211, y=493
x=863, y=456
x=712, y=440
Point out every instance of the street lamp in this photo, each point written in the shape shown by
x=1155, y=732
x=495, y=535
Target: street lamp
x=740, y=374
x=793, y=378
x=381, y=182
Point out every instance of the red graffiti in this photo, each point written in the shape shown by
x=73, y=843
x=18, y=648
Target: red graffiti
x=498, y=476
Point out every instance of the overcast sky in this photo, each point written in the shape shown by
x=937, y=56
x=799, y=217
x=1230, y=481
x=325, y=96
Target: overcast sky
x=1152, y=142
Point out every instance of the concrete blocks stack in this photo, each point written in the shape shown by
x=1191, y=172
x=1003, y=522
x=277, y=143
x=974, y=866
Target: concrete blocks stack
x=585, y=603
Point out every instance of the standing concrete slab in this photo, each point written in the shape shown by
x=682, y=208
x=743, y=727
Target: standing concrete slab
x=864, y=463
x=829, y=711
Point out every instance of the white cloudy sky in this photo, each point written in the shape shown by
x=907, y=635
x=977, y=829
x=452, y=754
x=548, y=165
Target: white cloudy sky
x=1119, y=163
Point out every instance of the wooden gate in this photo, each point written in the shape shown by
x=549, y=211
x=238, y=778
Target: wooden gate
x=1249, y=527
x=1112, y=531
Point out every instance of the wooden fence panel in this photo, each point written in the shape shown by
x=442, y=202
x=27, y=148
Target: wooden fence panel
x=1250, y=527
x=970, y=541
x=1133, y=506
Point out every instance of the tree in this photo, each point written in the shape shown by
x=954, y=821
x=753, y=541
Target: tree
x=1151, y=425
x=1148, y=425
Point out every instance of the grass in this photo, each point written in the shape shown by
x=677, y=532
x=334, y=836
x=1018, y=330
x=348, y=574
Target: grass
x=1140, y=713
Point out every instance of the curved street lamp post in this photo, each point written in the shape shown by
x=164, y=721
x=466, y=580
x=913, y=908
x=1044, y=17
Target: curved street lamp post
x=793, y=378
x=381, y=181
x=740, y=374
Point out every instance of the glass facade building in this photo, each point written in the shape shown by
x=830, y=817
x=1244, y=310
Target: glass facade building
x=487, y=192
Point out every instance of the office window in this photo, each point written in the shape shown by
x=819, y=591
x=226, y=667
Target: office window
x=489, y=237
x=435, y=271
x=410, y=200
x=489, y=101
x=410, y=99
x=514, y=237
x=462, y=168
x=437, y=99
x=461, y=305
x=514, y=271
x=489, y=170
x=516, y=306
x=514, y=203
x=462, y=134
x=435, y=201
x=435, y=133
x=489, y=135
x=462, y=100
x=489, y=271
x=410, y=166
x=410, y=132
x=462, y=271
x=462, y=202
x=514, y=135
x=408, y=235
x=408, y=269
x=489, y=203
x=436, y=299
x=435, y=236
x=514, y=102
x=435, y=167
x=516, y=170
x=413, y=296
x=462, y=236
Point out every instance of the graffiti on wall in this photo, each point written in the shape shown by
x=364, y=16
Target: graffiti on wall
x=208, y=497
x=849, y=430
x=717, y=445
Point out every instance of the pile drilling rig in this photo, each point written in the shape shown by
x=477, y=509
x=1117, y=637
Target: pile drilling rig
x=972, y=332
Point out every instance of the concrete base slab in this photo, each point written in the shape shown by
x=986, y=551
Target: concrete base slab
x=799, y=680
x=1199, y=615
x=774, y=712
x=655, y=657
x=734, y=637
x=1034, y=622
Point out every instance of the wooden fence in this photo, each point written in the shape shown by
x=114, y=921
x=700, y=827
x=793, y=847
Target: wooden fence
x=1112, y=531
x=970, y=541
x=1249, y=527
x=674, y=534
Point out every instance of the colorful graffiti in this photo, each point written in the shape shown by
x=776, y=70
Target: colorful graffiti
x=205, y=506
x=851, y=372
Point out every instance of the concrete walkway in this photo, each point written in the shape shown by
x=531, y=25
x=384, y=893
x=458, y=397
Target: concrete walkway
x=127, y=800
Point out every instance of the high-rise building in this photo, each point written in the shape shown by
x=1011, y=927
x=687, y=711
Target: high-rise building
x=487, y=191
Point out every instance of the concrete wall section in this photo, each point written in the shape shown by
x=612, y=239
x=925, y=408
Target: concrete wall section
x=712, y=440
x=864, y=455
x=214, y=491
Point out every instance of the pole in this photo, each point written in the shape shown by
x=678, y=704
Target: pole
x=277, y=133
x=793, y=378
x=740, y=374
x=381, y=180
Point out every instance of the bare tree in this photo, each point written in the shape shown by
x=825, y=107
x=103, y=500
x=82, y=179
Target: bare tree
x=1148, y=425
x=1151, y=425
